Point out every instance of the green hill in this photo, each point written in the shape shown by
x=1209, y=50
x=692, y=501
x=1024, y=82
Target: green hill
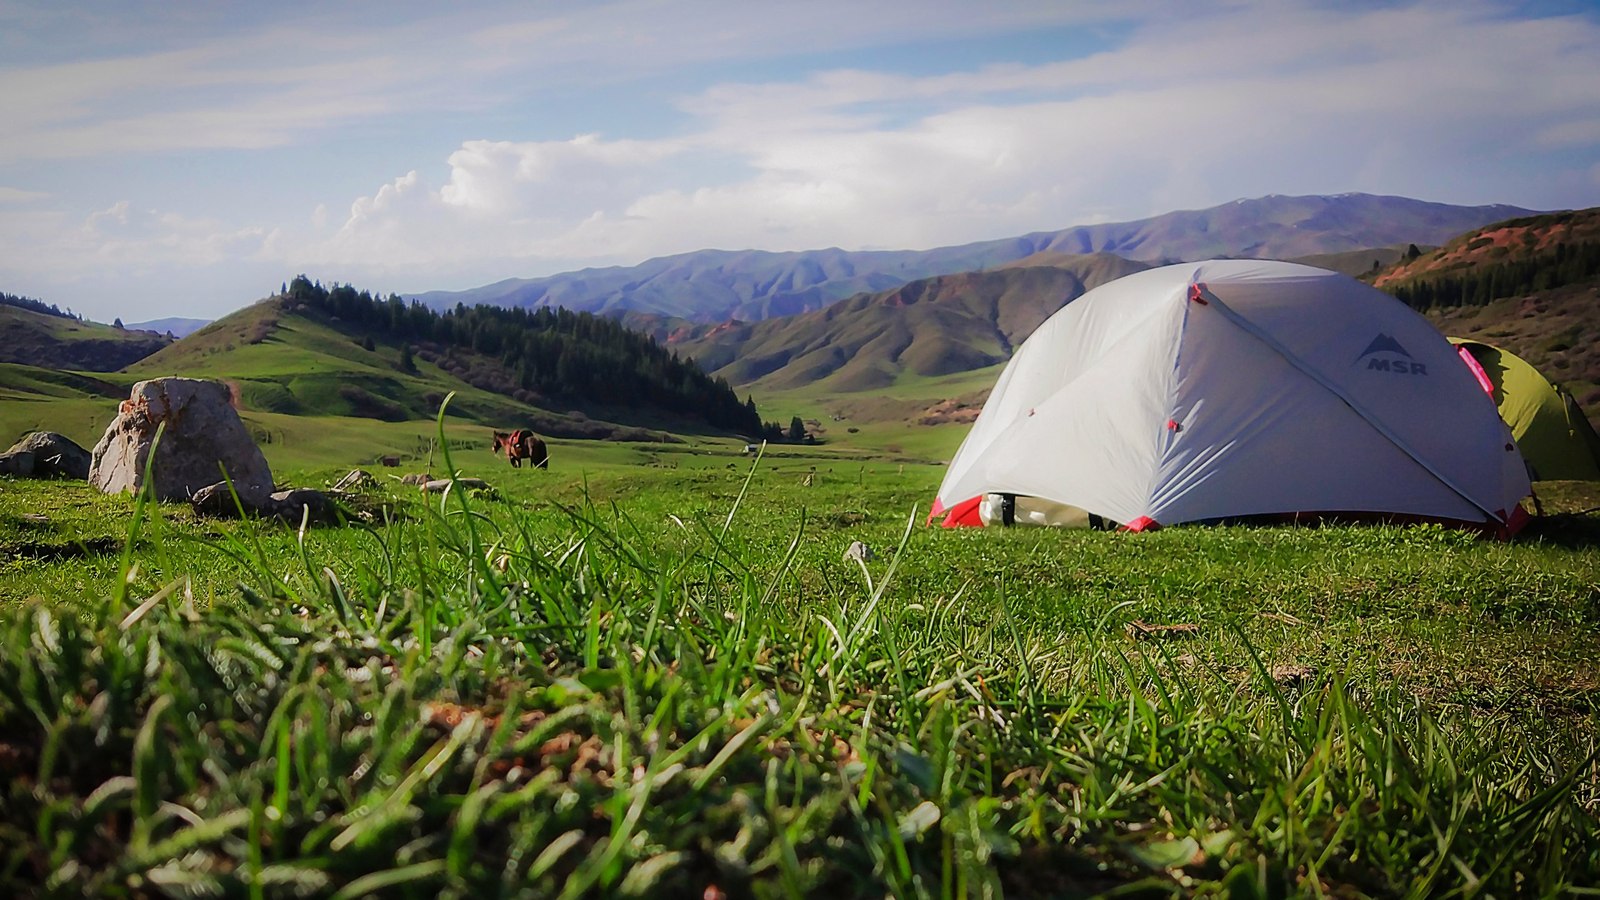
x=321, y=351
x=341, y=370
x=33, y=335
x=933, y=327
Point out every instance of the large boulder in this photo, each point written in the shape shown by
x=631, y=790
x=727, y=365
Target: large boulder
x=203, y=433
x=54, y=455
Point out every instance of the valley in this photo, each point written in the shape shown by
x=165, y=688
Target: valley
x=671, y=661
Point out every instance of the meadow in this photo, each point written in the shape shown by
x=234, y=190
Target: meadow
x=650, y=671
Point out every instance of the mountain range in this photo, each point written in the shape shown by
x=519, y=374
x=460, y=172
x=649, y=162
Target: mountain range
x=751, y=285
x=920, y=350
x=928, y=327
x=177, y=326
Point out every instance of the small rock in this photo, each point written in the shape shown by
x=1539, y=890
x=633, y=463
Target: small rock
x=1291, y=675
x=437, y=485
x=293, y=505
x=356, y=478
x=860, y=551
x=216, y=500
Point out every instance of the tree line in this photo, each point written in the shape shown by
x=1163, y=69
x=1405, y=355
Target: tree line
x=1483, y=284
x=552, y=353
x=38, y=306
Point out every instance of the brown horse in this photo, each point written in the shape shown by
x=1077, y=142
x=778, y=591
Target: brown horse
x=522, y=445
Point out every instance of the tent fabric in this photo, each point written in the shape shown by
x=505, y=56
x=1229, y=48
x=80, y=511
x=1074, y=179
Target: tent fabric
x=1240, y=388
x=1551, y=431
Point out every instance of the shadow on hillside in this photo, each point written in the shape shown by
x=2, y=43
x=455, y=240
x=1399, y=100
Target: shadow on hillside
x=1574, y=531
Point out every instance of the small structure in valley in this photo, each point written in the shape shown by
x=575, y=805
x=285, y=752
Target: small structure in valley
x=204, y=438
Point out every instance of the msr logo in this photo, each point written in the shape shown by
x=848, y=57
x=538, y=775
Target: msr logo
x=1383, y=351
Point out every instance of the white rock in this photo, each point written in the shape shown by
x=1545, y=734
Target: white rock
x=858, y=550
x=203, y=431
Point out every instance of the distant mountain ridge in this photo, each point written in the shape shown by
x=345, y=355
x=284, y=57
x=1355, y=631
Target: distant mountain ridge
x=752, y=285
x=177, y=326
x=926, y=328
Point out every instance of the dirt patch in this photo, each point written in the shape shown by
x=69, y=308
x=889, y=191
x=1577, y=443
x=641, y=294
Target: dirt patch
x=946, y=411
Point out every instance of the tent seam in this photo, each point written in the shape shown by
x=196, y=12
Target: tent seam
x=1328, y=385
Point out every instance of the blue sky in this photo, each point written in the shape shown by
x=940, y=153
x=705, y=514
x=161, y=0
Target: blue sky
x=184, y=158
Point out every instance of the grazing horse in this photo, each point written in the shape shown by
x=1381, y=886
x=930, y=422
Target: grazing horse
x=522, y=445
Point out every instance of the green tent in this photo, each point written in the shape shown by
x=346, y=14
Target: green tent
x=1550, y=430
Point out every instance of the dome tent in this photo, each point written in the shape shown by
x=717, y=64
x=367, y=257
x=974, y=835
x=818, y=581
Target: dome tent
x=1551, y=431
x=1230, y=389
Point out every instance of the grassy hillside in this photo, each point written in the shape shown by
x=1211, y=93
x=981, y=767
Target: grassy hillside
x=1527, y=239
x=312, y=387
x=1366, y=262
x=62, y=342
x=1538, y=275
x=928, y=328
x=298, y=365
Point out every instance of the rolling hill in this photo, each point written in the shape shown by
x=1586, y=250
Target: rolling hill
x=718, y=285
x=1531, y=285
x=927, y=328
x=317, y=351
x=927, y=352
x=32, y=338
x=346, y=363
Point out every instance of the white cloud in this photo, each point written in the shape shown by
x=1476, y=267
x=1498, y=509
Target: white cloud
x=550, y=178
x=1243, y=102
x=1191, y=106
x=249, y=87
x=126, y=235
x=18, y=195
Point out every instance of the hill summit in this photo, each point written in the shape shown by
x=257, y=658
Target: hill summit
x=314, y=350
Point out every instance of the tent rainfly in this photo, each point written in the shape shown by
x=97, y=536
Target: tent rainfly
x=1235, y=389
x=1551, y=431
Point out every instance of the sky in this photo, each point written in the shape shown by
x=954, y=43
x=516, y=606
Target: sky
x=185, y=158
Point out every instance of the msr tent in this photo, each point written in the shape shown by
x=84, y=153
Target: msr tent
x=1551, y=431
x=1235, y=389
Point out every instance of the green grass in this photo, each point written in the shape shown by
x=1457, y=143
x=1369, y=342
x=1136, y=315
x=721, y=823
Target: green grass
x=648, y=671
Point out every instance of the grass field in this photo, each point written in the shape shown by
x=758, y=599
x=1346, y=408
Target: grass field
x=649, y=671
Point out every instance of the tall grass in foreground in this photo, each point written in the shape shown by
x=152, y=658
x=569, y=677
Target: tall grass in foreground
x=494, y=706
